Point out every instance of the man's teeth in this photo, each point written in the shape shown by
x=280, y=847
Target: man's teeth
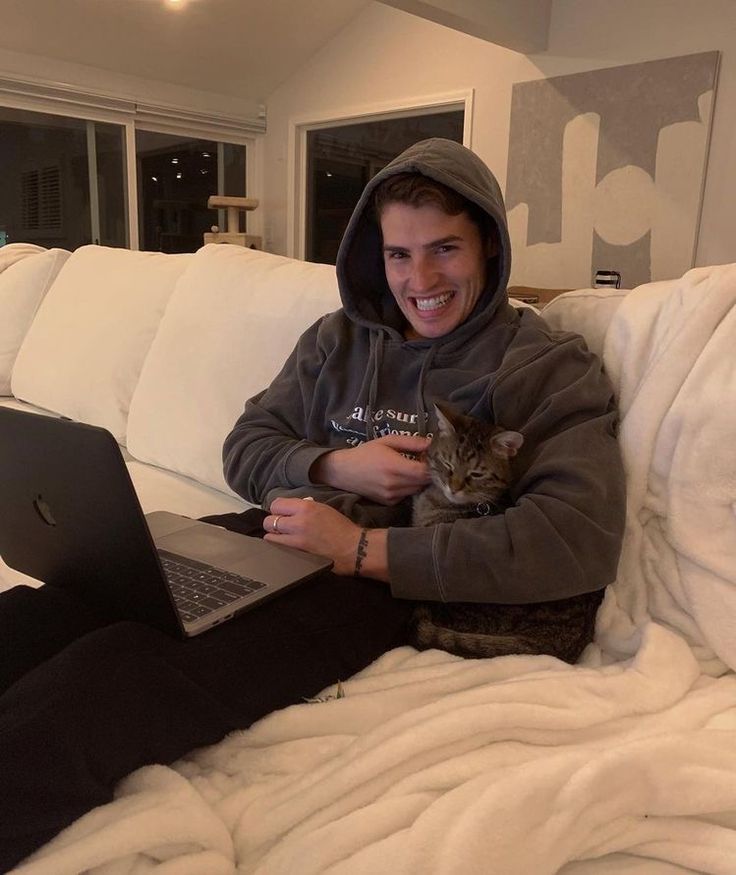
x=433, y=303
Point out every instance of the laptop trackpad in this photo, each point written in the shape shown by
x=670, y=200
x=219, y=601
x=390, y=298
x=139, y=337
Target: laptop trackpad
x=249, y=557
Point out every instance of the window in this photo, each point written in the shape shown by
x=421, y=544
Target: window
x=341, y=160
x=176, y=176
x=70, y=175
x=63, y=180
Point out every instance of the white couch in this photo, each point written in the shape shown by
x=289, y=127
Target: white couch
x=624, y=763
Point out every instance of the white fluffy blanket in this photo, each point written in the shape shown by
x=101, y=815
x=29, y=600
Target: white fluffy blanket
x=670, y=352
x=623, y=764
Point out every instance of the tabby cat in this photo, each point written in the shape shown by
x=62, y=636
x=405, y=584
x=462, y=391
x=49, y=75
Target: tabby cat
x=470, y=464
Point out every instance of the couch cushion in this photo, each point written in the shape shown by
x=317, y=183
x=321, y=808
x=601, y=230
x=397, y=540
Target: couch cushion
x=26, y=274
x=13, y=252
x=83, y=353
x=230, y=325
x=585, y=311
x=15, y=404
x=163, y=490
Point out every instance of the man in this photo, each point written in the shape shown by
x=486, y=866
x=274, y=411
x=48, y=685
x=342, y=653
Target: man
x=422, y=271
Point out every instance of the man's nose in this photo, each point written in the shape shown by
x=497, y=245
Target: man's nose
x=423, y=276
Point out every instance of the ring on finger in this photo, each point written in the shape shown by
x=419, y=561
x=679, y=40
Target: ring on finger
x=275, y=524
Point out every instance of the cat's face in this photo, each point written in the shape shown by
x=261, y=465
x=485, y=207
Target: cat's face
x=469, y=460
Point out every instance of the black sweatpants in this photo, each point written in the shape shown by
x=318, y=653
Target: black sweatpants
x=84, y=704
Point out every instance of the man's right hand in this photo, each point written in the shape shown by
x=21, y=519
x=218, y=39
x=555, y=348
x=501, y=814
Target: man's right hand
x=376, y=469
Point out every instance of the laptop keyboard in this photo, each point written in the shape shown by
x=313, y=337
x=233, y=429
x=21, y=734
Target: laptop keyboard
x=199, y=589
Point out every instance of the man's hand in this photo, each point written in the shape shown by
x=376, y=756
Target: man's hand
x=376, y=469
x=319, y=528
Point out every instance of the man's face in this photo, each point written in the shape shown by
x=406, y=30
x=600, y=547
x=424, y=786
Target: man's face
x=435, y=266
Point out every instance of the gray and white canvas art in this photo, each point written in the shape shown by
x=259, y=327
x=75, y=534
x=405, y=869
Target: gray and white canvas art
x=606, y=171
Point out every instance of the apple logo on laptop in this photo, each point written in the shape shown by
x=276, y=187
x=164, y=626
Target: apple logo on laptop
x=43, y=510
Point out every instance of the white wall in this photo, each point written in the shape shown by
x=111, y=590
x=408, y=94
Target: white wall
x=389, y=56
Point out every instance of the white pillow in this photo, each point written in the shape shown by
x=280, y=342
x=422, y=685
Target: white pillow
x=83, y=353
x=23, y=284
x=14, y=252
x=585, y=311
x=234, y=318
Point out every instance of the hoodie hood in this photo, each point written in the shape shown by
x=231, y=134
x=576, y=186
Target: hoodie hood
x=366, y=296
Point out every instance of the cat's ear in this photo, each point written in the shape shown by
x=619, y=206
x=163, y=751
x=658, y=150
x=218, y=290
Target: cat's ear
x=506, y=443
x=445, y=419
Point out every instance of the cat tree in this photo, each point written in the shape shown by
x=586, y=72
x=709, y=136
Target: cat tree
x=235, y=206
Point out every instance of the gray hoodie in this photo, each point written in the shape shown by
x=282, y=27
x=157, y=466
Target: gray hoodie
x=353, y=377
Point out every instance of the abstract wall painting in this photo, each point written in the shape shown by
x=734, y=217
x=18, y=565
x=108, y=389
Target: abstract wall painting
x=606, y=171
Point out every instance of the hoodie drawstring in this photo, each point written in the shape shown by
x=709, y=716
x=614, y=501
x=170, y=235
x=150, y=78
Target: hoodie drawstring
x=372, y=377
x=375, y=366
x=420, y=402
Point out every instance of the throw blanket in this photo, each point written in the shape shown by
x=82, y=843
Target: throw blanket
x=625, y=763
x=669, y=351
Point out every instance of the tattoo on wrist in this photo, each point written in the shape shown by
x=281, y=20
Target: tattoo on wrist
x=361, y=551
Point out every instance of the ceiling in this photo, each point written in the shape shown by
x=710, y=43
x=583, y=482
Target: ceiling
x=243, y=48
x=246, y=48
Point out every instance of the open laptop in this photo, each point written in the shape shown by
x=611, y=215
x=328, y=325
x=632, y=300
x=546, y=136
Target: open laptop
x=69, y=516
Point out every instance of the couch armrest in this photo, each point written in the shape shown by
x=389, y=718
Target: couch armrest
x=585, y=311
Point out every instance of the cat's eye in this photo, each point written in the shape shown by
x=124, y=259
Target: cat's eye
x=475, y=475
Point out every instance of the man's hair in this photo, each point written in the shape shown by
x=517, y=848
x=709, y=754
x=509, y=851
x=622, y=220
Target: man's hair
x=417, y=190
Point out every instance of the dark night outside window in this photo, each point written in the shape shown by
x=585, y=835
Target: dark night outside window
x=46, y=180
x=176, y=176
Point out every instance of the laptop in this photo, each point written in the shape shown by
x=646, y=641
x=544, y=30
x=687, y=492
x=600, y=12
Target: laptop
x=69, y=516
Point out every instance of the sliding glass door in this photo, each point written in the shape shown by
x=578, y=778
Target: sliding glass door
x=62, y=181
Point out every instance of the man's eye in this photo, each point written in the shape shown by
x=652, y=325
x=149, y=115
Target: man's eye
x=397, y=256
x=446, y=248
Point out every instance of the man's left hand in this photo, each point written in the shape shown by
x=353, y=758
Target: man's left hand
x=314, y=527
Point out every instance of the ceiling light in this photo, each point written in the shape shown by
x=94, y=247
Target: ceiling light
x=174, y=160
x=154, y=178
x=179, y=175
